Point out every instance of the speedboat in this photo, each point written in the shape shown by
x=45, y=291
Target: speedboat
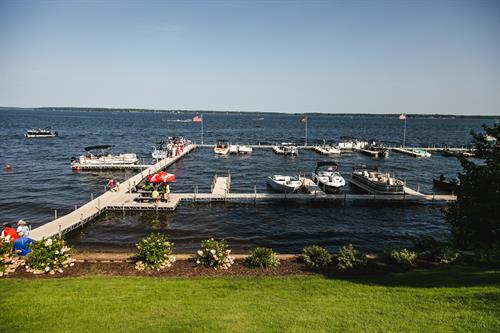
x=378, y=146
x=422, y=153
x=347, y=143
x=286, y=184
x=222, y=148
x=286, y=148
x=101, y=156
x=233, y=149
x=370, y=180
x=40, y=133
x=245, y=149
x=327, y=149
x=329, y=179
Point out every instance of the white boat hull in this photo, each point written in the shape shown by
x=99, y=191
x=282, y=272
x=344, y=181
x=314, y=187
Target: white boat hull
x=122, y=159
x=245, y=149
x=329, y=182
x=284, y=184
x=221, y=151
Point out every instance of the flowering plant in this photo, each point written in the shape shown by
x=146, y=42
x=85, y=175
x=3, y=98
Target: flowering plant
x=214, y=253
x=155, y=252
x=49, y=255
x=9, y=260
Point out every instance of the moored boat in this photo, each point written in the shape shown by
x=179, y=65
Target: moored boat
x=40, y=133
x=244, y=149
x=233, y=149
x=329, y=179
x=422, y=153
x=285, y=184
x=286, y=148
x=222, y=148
x=369, y=179
x=444, y=184
x=101, y=156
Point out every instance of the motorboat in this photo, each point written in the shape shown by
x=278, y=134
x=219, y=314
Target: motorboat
x=222, y=148
x=422, y=153
x=286, y=148
x=329, y=179
x=346, y=143
x=244, y=149
x=286, y=184
x=370, y=180
x=233, y=149
x=40, y=133
x=379, y=147
x=326, y=149
x=101, y=156
x=160, y=151
x=444, y=184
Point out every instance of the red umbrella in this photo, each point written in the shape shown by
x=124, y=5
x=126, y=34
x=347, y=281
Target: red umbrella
x=161, y=177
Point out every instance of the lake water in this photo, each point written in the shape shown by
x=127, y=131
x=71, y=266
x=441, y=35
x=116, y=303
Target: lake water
x=41, y=179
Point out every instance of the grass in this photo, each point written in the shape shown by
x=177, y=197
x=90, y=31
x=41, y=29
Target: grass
x=453, y=299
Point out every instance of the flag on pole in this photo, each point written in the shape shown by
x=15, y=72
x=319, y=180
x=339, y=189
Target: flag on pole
x=197, y=119
x=402, y=117
x=304, y=119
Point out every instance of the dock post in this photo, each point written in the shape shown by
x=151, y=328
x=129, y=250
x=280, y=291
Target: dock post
x=255, y=194
x=76, y=207
x=60, y=232
x=99, y=204
x=418, y=188
x=433, y=196
x=104, y=188
x=123, y=207
x=91, y=196
x=55, y=214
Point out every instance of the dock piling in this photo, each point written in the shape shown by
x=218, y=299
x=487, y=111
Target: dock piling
x=55, y=214
x=91, y=196
x=60, y=232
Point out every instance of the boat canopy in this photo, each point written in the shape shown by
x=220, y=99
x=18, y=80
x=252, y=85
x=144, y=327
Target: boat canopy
x=98, y=147
x=327, y=163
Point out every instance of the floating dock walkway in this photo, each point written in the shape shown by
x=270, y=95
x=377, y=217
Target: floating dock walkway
x=124, y=198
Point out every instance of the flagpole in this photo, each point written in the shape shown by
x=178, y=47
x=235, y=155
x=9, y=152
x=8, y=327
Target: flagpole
x=404, y=135
x=306, y=130
x=202, y=121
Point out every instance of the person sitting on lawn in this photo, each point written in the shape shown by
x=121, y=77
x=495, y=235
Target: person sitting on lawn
x=9, y=233
x=22, y=244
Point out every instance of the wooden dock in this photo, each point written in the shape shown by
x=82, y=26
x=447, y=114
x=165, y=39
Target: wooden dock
x=409, y=151
x=221, y=185
x=311, y=188
x=94, y=208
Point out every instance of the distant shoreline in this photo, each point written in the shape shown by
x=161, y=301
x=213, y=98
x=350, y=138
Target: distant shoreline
x=232, y=112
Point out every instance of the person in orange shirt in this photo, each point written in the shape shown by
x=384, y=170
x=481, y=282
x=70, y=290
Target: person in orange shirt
x=9, y=233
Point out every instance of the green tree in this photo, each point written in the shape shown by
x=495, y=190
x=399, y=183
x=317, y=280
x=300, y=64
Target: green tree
x=474, y=217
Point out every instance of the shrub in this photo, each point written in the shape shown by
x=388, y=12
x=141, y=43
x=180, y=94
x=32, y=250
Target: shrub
x=446, y=254
x=214, y=253
x=403, y=257
x=262, y=257
x=49, y=255
x=350, y=258
x=9, y=260
x=155, y=252
x=316, y=257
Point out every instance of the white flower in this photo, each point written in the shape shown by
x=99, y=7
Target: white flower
x=48, y=242
x=212, y=251
x=200, y=252
x=47, y=268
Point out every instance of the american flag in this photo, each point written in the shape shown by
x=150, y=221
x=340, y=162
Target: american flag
x=197, y=119
x=304, y=119
x=402, y=117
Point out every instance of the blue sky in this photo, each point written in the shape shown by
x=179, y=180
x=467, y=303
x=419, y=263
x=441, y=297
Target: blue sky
x=331, y=56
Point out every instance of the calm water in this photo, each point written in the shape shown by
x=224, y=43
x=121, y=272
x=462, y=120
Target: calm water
x=41, y=179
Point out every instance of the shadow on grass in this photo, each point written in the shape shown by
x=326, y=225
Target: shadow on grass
x=442, y=276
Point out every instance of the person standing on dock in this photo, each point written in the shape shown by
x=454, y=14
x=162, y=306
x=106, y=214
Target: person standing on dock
x=22, y=227
x=111, y=184
x=166, y=195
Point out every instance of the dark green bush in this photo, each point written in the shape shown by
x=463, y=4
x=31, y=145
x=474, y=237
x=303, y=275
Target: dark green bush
x=350, y=258
x=262, y=257
x=316, y=257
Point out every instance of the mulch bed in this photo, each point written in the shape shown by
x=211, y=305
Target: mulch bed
x=181, y=268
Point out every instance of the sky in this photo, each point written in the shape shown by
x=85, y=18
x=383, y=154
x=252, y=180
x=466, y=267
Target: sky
x=278, y=56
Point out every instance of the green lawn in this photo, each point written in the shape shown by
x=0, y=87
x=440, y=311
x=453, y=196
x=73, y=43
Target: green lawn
x=441, y=300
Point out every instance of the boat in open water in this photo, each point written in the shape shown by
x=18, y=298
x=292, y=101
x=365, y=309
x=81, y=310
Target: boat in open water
x=329, y=179
x=40, y=133
x=101, y=156
x=371, y=180
x=285, y=184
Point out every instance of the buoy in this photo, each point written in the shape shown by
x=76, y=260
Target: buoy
x=8, y=167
